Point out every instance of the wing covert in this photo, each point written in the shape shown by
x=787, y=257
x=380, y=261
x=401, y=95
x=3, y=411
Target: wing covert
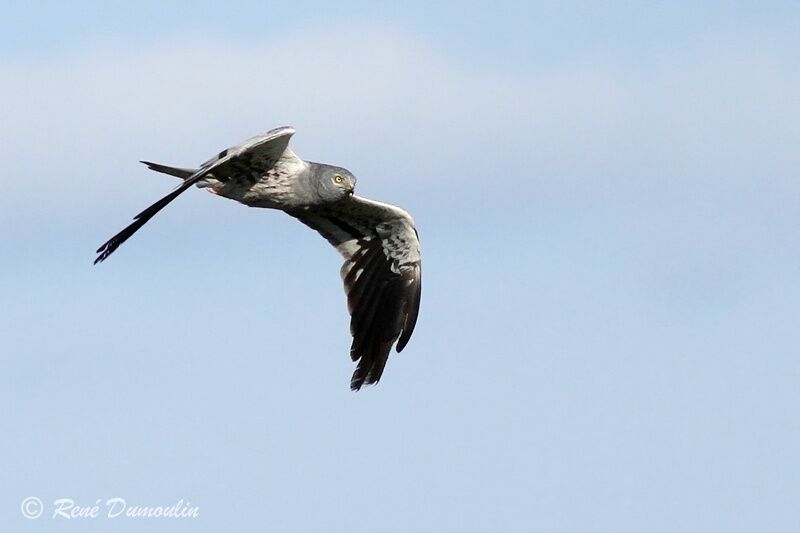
x=248, y=161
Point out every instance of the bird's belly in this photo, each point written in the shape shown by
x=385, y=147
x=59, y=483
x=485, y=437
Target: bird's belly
x=267, y=194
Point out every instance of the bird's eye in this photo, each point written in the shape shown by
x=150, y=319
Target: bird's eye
x=337, y=178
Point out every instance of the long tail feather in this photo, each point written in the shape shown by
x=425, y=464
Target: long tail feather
x=172, y=171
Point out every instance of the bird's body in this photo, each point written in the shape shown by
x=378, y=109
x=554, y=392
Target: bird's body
x=382, y=269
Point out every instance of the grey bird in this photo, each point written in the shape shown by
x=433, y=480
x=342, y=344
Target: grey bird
x=382, y=271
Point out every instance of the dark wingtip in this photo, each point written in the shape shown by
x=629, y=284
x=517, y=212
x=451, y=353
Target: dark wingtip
x=371, y=365
x=138, y=221
x=107, y=249
x=360, y=373
x=104, y=252
x=359, y=379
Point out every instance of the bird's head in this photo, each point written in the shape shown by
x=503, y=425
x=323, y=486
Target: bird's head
x=335, y=183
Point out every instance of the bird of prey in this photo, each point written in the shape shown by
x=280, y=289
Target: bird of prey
x=381, y=272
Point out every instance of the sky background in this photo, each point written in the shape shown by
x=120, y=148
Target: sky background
x=608, y=199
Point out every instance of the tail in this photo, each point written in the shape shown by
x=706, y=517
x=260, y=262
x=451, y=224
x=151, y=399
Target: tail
x=172, y=171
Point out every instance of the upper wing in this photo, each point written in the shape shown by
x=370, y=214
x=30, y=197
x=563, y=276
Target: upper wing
x=250, y=160
x=255, y=155
x=382, y=276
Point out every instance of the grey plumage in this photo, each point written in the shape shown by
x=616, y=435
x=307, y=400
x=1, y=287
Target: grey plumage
x=381, y=273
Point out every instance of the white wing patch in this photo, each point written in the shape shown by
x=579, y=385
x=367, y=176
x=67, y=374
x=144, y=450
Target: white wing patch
x=382, y=276
x=400, y=243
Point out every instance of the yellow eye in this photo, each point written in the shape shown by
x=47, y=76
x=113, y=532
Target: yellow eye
x=337, y=178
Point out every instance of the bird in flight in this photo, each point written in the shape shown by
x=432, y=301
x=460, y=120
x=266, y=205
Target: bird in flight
x=382, y=271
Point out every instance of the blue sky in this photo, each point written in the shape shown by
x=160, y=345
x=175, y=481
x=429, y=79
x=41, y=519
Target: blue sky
x=608, y=201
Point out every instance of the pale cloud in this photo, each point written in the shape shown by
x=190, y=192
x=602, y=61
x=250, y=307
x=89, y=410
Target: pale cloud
x=385, y=103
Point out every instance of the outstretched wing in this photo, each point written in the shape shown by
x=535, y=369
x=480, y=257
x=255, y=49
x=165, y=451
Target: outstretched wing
x=382, y=276
x=247, y=161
